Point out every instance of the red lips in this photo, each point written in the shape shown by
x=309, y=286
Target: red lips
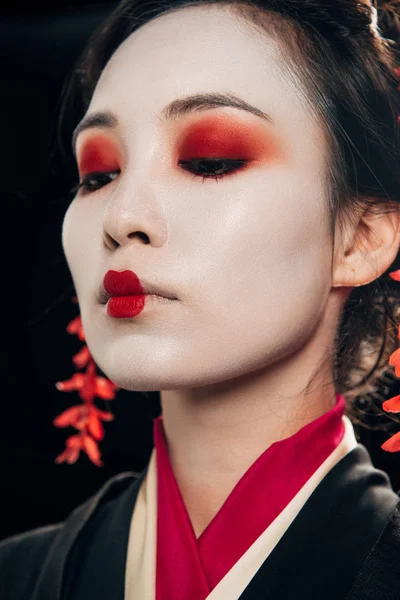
x=122, y=283
x=128, y=295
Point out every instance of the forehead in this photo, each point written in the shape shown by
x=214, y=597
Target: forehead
x=199, y=49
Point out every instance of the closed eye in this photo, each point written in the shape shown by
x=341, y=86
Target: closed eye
x=212, y=168
x=207, y=168
x=94, y=181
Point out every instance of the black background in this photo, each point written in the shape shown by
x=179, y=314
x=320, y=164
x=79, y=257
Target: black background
x=38, y=47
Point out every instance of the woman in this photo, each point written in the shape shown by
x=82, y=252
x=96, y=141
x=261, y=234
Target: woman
x=230, y=299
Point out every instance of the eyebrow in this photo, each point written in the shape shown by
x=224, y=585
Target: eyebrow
x=175, y=109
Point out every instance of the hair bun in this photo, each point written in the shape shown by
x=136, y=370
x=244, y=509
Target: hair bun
x=389, y=21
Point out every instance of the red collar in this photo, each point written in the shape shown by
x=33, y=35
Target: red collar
x=190, y=568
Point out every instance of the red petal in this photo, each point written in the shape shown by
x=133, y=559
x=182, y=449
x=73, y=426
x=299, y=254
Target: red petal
x=87, y=393
x=81, y=334
x=81, y=358
x=74, y=441
x=395, y=357
x=95, y=427
x=395, y=275
x=392, y=444
x=105, y=416
x=92, y=450
x=88, y=390
x=70, y=455
x=91, y=368
x=104, y=388
x=74, y=383
x=73, y=455
x=69, y=416
x=74, y=325
x=61, y=457
x=392, y=405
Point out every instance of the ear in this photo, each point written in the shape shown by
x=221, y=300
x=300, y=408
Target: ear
x=368, y=247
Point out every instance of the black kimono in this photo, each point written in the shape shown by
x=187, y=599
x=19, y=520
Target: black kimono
x=340, y=542
x=344, y=544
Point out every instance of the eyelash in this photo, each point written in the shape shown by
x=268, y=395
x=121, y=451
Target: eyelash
x=229, y=166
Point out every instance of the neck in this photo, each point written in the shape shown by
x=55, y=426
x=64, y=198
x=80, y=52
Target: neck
x=215, y=433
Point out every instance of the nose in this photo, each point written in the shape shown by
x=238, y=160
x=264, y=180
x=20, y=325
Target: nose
x=134, y=215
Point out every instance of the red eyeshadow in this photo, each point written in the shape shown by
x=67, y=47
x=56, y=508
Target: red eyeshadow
x=98, y=153
x=221, y=136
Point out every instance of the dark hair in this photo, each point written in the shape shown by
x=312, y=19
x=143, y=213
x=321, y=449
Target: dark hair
x=343, y=54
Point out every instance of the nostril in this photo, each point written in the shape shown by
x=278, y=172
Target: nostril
x=141, y=235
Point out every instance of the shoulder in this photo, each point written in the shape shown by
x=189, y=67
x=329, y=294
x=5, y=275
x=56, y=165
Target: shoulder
x=21, y=557
x=379, y=577
x=26, y=558
x=30, y=540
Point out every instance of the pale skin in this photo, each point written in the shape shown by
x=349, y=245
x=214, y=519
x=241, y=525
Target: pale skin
x=249, y=257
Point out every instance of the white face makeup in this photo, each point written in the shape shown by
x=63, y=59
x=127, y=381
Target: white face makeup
x=247, y=256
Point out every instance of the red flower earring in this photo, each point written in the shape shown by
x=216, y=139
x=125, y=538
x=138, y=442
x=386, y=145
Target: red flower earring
x=87, y=417
x=393, y=404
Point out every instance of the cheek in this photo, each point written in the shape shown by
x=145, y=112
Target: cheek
x=77, y=232
x=66, y=233
x=272, y=238
x=291, y=213
x=81, y=243
x=276, y=213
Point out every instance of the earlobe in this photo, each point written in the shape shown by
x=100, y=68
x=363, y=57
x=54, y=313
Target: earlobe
x=370, y=249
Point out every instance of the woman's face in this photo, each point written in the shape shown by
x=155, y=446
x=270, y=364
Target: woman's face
x=247, y=256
